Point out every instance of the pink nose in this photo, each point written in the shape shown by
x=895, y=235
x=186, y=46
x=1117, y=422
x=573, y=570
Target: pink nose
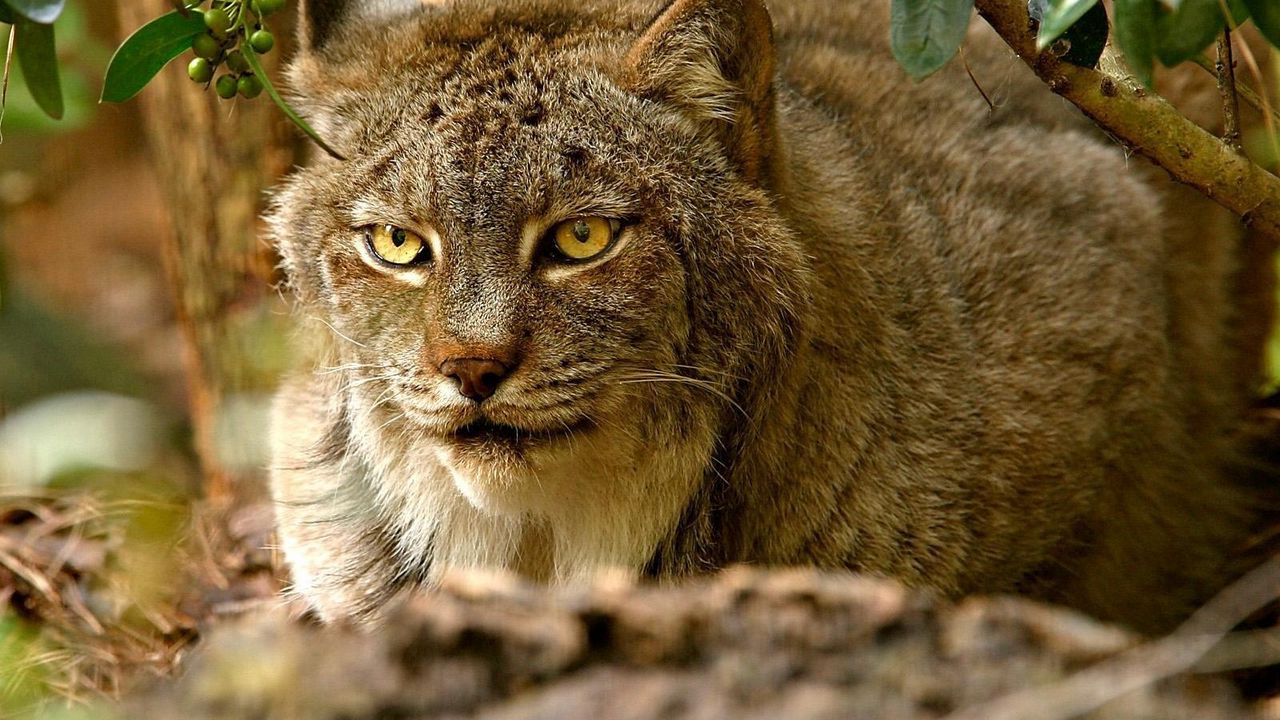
x=477, y=378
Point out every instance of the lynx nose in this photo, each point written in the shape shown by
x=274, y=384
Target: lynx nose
x=477, y=378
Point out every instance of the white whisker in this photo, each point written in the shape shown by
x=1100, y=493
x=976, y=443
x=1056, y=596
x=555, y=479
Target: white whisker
x=338, y=332
x=331, y=369
x=705, y=371
x=366, y=381
x=658, y=376
x=397, y=416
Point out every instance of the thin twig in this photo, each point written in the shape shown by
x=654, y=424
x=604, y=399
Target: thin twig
x=1268, y=118
x=1241, y=651
x=991, y=107
x=1142, y=666
x=4, y=82
x=1225, y=69
x=1245, y=93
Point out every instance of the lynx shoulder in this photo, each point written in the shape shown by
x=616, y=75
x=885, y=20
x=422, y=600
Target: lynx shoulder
x=670, y=287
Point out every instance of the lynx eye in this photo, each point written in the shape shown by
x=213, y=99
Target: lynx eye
x=395, y=245
x=583, y=238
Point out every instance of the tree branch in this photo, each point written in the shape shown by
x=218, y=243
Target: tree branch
x=1147, y=124
x=1246, y=93
x=1142, y=666
x=1225, y=69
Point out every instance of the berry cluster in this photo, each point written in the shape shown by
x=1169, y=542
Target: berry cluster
x=231, y=23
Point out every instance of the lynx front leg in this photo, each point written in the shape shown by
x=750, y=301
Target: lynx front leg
x=341, y=558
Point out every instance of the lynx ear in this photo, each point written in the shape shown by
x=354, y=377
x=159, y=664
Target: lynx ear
x=319, y=21
x=715, y=60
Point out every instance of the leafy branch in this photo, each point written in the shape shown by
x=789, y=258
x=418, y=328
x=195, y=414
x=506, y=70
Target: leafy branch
x=1064, y=42
x=228, y=34
x=1147, y=123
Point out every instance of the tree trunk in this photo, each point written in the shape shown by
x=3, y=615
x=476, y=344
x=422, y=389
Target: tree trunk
x=213, y=158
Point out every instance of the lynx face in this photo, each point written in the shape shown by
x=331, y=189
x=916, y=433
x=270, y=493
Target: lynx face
x=518, y=260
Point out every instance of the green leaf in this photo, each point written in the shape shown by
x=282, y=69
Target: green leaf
x=925, y=34
x=147, y=51
x=1266, y=15
x=6, y=15
x=1187, y=31
x=1135, y=34
x=81, y=61
x=38, y=11
x=1060, y=15
x=256, y=66
x=38, y=58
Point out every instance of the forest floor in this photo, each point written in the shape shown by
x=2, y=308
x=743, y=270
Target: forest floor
x=101, y=593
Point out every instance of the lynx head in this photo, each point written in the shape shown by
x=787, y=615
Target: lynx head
x=555, y=240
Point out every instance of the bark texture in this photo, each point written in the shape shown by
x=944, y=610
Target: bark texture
x=792, y=645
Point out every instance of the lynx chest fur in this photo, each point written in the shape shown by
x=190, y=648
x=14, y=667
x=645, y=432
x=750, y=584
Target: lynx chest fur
x=668, y=287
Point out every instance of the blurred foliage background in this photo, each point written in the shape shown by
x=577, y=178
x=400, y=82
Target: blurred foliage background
x=109, y=558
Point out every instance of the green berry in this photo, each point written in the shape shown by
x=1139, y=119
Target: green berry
x=262, y=41
x=226, y=87
x=200, y=70
x=206, y=46
x=236, y=62
x=218, y=21
x=249, y=86
x=267, y=7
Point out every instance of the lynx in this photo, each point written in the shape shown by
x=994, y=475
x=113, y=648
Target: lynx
x=667, y=287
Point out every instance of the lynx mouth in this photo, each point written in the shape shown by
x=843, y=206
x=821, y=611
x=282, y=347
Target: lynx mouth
x=486, y=432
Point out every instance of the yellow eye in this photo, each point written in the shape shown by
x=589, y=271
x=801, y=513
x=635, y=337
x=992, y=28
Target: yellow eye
x=584, y=238
x=395, y=245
